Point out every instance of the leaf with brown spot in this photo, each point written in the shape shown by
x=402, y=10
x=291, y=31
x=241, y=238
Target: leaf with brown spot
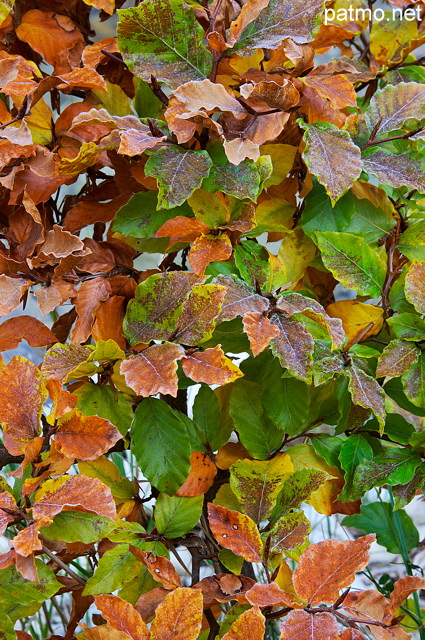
x=239, y=299
x=27, y=328
x=121, y=615
x=366, y=392
x=11, y=292
x=316, y=581
x=198, y=317
x=23, y=396
x=61, y=359
x=85, y=437
x=306, y=626
x=396, y=358
x=211, y=366
x=201, y=475
x=294, y=347
x=250, y=624
x=235, y=531
x=73, y=493
x=208, y=248
x=403, y=588
x=154, y=370
x=90, y=294
x=260, y=331
x=415, y=285
x=159, y=567
x=289, y=532
x=269, y=595
x=179, y=616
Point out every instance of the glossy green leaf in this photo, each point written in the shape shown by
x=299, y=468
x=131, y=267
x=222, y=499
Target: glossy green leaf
x=140, y=217
x=116, y=567
x=354, y=450
x=102, y=401
x=78, y=526
x=175, y=516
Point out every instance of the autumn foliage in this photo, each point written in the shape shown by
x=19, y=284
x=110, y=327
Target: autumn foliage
x=186, y=202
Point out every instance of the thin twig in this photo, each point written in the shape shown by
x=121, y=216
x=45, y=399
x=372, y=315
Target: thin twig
x=63, y=566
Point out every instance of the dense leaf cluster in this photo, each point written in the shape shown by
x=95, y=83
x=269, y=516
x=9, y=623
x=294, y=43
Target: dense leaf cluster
x=196, y=188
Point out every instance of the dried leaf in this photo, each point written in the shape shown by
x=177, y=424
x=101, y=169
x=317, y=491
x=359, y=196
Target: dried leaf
x=236, y=532
x=209, y=96
x=250, y=624
x=27, y=328
x=8, y=502
x=269, y=595
x=294, y=347
x=415, y=285
x=209, y=248
x=179, y=616
x=122, y=616
x=62, y=359
x=154, y=370
x=403, y=588
x=259, y=330
x=306, y=626
x=239, y=149
x=11, y=292
x=224, y=587
x=90, y=294
x=201, y=475
x=83, y=437
x=211, y=366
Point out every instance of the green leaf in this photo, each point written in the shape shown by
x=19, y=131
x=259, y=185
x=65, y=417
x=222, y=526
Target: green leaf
x=414, y=382
x=78, y=526
x=353, y=262
x=396, y=170
x=100, y=400
x=353, y=451
x=207, y=417
x=332, y=157
x=146, y=103
x=412, y=242
x=178, y=172
x=379, y=518
x=257, y=484
x=156, y=308
x=296, y=490
x=394, y=389
x=404, y=493
x=289, y=532
x=393, y=106
x=285, y=400
x=140, y=584
x=240, y=181
x=320, y=215
x=163, y=38
x=7, y=631
x=231, y=561
x=329, y=448
x=139, y=218
x=251, y=260
x=161, y=445
x=230, y=335
x=175, y=516
x=394, y=466
x=256, y=432
x=5, y=8
x=407, y=326
x=116, y=567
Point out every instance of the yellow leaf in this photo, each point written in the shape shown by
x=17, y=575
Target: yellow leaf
x=360, y=321
x=87, y=156
x=283, y=156
x=295, y=254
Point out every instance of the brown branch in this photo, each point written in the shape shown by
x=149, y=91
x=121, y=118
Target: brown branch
x=63, y=566
x=402, y=136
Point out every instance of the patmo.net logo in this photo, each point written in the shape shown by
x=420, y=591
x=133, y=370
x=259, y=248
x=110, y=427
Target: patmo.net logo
x=359, y=14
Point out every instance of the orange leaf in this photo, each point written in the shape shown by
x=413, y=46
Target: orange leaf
x=179, y=616
x=403, y=588
x=90, y=294
x=108, y=323
x=9, y=502
x=305, y=626
x=154, y=370
x=351, y=634
x=208, y=248
x=250, y=624
x=73, y=493
x=224, y=587
x=235, y=531
x=135, y=141
x=54, y=296
x=83, y=79
x=85, y=437
x=23, y=396
x=270, y=595
x=211, y=366
x=27, y=328
x=32, y=451
x=201, y=475
x=27, y=541
x=55, y=37
x=182, y=228
x=61, y=359
x=11, y=292
x=230, y=453
x=121, y=615
x=159, y=567
x=326, y=567
x=259, y=330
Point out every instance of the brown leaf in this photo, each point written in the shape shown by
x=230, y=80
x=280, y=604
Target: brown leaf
x=73, y=493
x=55, y=37
x=351, y=634
x=259, y=330
x=159, y=567
x=27, y=541
x=8, y=502
x=235, y=531
x=49, y=298
x=201, y=475
x=209, y=96
x=182, y=228
x=305, y=626
x=11, y=292
x=415, y=285
x=32, y=451
x=90, y=294
x=61, y=359
x=199, y=313
x=82, y=78
x=396, y=358
x=326, y=567
x=23, y=396
x=250, y=12
x=240, y=299
x=16, y=75
x=211, y=366
x=134, y=142
x=224, y=587
x=336, y=88
x=121, y=615
x=208, y=248
x=250, y=624
x=269, y=93
x=294, y=347
x=403, y=588
x=148, y=602
x=83, y=437
x=60, y=243
x=179, y=616
x=370, y=605
x=154, y=370
x=27, y=328
x=241, y=148
x=109, y=319
x=269, y=595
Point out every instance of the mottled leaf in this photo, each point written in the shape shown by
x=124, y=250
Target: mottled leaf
x=289, y=532
x=154, y=370
x=305, y=626
x=396, y=358
x=250, y=623
x=235, y=531
x=394, y=466
x=400, y=170
x=199, y=314
x=85, y=438
x=210, y=366
x=366, y=392
x=415, y=285
x=294, y=347
x=394, y=105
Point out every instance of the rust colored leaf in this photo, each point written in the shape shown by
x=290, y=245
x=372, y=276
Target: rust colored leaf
x=32, y=451
x=269, y=93
x=159, y=567
x=370, y=605
x=179, y=616
x=23, y=396
x=224, y=587
x=154, y=370
x=61, y=359
x=269, y=595
x=11, y=292
x=182, y=228
x=201, y=475
x=250, y=12
x=211, y=366
x=199, y=313
x=121, y=615
x=208, y=96
x=16, y=75
x=83, y=78
x=109, y=319
x=27, y=541
x=90, y=294
x=148, y=602
x=336, y=88
x=235, y=531
x=49, y=298
x=60, y=243
x=208, y=248
x=73, y=493
x=27, y=328
x=396, y=358
x=415, y=285
x=259, y=330
x=250, y=624
x=294, y=347
x=83, y=437
x=305, y=626
x=8, y=502
x=403, y=588
x=239, y=299
x=317, y=581
x=351, y=634
x=134, y=141
x=55, y=37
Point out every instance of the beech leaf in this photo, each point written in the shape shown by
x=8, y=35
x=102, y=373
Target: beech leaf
x=306, y=626
x=154, y=370
x=235, y=531
x=179, y=616
x=122, y=616
x=415, y=285
x=211, y=366
x=250, y=624
x=85, y=438
x=394, y=105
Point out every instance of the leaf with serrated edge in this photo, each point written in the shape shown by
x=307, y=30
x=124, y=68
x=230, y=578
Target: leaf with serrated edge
x=235, y=531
